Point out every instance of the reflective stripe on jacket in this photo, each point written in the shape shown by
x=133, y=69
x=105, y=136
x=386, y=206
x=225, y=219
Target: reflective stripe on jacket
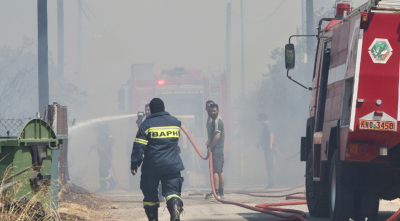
x=156, y=145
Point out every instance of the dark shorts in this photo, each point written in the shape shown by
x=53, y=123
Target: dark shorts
x=218, y=163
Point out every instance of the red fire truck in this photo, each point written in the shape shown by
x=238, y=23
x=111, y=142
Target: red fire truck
x=184, y=92
x=352, y=142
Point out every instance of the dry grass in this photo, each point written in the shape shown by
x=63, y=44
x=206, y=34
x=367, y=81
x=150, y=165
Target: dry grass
x=76, y=203
x=73, y=211
x=25, y=209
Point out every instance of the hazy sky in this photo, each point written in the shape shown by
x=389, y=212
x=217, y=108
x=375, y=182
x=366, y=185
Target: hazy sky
x=168, y=33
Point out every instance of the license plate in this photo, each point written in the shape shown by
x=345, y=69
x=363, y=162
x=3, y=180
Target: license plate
x=376, y=125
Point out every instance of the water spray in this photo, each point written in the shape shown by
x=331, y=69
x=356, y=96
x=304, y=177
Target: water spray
x=99, y=120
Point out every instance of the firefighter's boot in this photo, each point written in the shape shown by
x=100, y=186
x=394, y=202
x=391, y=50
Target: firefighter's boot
x=175, y=208
x=112, y=183
x=152, y=213
x=103, y=186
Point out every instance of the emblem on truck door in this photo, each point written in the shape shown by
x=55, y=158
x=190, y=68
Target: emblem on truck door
x=380, y=50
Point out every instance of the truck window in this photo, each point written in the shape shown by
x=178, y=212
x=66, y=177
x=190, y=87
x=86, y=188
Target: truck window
x=346, y=104
x=323, y=86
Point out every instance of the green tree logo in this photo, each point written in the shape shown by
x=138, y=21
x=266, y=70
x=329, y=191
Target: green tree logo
x=380, y=50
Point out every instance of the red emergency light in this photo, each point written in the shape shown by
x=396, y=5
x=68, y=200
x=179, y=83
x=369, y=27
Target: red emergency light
x=161, y=82
x=341, y=7
x=364, y=21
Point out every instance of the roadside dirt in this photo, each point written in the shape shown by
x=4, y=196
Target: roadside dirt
x=76, y=203
x=129, y=206
x=119, y=205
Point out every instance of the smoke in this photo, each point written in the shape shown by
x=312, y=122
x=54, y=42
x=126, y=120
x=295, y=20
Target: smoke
x=98, y=120
x=172, y=34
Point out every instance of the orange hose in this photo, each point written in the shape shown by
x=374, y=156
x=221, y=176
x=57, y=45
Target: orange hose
x=285, y=158
x=271, y=191
x=240, y=190
x=194, y=145
x=395, y=216
x=264, y=208
x=298, y=197
x=272, y=196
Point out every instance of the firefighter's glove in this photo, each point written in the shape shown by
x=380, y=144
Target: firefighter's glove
x=135, y=165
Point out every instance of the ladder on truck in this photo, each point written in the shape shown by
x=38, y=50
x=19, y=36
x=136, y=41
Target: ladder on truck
x=381, y=6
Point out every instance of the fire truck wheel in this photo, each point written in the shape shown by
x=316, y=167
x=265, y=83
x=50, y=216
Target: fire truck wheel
x=341, y=200
x=367, y=205
x=317, y=193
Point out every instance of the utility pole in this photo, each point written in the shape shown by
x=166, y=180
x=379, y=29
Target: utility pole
x=310, y=31
x=242, y=53
x=243, y=79
x=60, y=20
x=228, y=65
x=228, y=47
x=43, y=69
x=79, y=45
x=303, y=31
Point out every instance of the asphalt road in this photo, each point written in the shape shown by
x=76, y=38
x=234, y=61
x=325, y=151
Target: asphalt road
x=129, y=207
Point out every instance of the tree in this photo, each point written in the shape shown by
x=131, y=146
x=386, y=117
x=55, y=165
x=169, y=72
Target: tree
x=19, y=91
x=17, y=69
x=284, y=102
x=18, y=83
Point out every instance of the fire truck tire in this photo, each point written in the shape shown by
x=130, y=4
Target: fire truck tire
x=341, y=197
x=317, y=193
x=367, y=205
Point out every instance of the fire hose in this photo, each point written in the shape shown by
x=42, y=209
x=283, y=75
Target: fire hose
x=240, y=190
x=272, y=196
x=285, y=158
x=395, y=216
x=263, y=208
x=267, y=207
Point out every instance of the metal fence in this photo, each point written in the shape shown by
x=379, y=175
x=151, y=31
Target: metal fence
x=11, y=127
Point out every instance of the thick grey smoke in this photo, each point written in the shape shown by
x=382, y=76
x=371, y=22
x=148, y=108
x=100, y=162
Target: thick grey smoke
x=173, y=33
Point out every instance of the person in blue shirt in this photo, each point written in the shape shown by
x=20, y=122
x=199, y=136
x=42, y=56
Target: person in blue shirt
x=156, y=146
x=267, y=143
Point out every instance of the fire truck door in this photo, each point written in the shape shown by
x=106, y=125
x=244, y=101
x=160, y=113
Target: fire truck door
x=323, y=87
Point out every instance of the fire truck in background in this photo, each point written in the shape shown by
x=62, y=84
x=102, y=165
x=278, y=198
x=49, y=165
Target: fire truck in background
x=352, y=142
x=184, y=92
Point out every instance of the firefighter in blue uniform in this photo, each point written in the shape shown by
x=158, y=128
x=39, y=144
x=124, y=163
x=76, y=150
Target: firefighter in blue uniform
x=156, y=145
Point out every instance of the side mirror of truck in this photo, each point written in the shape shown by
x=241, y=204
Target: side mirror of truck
x=289, y=56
